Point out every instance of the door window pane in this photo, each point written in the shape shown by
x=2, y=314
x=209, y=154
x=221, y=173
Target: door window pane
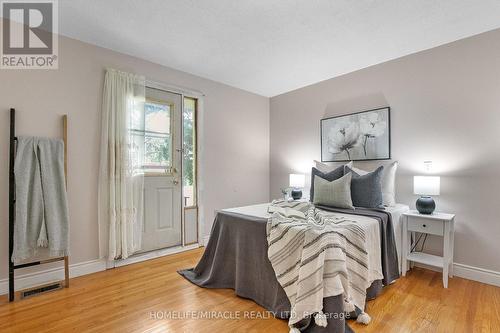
x=189, y=149
x=157, y=136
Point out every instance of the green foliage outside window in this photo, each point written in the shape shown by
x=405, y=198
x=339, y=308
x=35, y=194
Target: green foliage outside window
x=157, y=140
x=189, y=141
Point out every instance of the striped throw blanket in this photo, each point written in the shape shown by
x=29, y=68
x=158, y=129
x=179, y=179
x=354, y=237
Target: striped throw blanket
x=317, y=254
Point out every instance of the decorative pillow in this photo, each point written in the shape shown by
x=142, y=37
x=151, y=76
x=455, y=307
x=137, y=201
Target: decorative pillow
x=388, y=183
x=331, y=175
x=325, y=168
x=366, y=190
x=336, y=193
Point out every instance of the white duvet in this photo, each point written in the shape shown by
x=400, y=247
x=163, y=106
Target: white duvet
x=370, y=225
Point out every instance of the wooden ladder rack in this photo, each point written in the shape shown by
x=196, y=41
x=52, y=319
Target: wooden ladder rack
x=12, y=206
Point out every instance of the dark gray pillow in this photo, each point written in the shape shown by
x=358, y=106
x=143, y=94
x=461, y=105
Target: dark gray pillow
x=366, y=190
x=330, y=176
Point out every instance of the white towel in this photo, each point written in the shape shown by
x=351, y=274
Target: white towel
x=41, y=218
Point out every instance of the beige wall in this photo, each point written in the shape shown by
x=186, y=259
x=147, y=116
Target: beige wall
x=235, y=135
x=445, y=108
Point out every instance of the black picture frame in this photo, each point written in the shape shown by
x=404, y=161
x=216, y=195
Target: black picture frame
x=388, y=157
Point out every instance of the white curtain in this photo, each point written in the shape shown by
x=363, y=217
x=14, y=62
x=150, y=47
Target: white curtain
x=121, y=177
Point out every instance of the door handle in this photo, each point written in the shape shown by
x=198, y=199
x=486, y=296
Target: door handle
x=175, y=181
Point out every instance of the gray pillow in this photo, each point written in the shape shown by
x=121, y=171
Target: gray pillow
x=336, y=193
x=332, y=175
x=366, y=190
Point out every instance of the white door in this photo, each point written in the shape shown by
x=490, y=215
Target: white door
x=162, y=182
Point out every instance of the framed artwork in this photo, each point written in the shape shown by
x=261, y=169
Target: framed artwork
x=360, y=136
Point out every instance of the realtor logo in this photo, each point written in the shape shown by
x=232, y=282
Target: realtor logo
x=29, y=35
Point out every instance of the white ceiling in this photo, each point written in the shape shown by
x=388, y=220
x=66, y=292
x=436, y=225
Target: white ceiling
x=273, y=46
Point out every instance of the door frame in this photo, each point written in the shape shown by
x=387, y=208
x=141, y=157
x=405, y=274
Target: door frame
x=200, y=163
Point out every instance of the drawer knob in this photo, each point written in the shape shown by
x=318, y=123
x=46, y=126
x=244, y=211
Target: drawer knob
x=424, y=225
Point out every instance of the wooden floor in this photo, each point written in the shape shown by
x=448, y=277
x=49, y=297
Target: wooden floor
x=127, y=299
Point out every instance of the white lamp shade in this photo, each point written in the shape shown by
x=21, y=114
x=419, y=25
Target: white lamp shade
x=426, y=185
x=297, y=180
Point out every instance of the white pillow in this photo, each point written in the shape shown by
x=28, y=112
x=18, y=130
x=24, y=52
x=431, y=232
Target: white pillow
x=388, y=183
x=326, y=168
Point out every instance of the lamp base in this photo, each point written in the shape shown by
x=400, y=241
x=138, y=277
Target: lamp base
x=425, y=205
x=296, y=194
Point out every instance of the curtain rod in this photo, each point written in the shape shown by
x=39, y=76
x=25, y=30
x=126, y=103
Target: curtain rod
x=174, y=89
x=164, y=86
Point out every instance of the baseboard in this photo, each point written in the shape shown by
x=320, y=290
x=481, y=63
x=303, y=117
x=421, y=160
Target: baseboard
x=54, y=274
x=477, y=274
x=470, y=273
x=93, y=266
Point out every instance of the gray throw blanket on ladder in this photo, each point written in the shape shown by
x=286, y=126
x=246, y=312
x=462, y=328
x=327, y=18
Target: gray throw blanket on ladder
x=41, y=217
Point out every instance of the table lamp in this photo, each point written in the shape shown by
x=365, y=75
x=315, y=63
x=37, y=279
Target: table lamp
x=426, y=186
x=297, y=182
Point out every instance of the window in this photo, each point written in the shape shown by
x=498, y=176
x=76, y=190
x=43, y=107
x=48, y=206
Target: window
x=189, y=149
x=157, y=136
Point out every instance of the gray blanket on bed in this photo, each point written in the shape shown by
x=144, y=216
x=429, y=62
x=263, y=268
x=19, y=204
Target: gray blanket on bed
x=236, y=258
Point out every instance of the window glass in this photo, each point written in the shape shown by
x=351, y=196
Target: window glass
x=157, y=136
x=189, y=151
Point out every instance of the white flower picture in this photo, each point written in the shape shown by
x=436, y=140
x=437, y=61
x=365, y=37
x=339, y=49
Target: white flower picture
x=343, y=137
x=359, y=136
x=371, y=126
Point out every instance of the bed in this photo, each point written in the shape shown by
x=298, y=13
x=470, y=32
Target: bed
x=236, y=257
x=396, y=212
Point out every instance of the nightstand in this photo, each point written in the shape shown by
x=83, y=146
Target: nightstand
x=439, y=224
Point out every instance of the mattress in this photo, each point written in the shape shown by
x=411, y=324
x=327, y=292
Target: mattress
x=396, y=211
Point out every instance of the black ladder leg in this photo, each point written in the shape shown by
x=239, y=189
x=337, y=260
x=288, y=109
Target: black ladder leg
x=11, y=201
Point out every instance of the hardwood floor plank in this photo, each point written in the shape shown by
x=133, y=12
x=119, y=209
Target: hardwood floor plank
x=127, y=299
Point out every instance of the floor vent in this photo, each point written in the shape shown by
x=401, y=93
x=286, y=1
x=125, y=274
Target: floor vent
x=41, y=290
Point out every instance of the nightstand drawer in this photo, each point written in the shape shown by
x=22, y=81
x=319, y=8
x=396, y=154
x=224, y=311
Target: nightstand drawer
x=434, y=227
